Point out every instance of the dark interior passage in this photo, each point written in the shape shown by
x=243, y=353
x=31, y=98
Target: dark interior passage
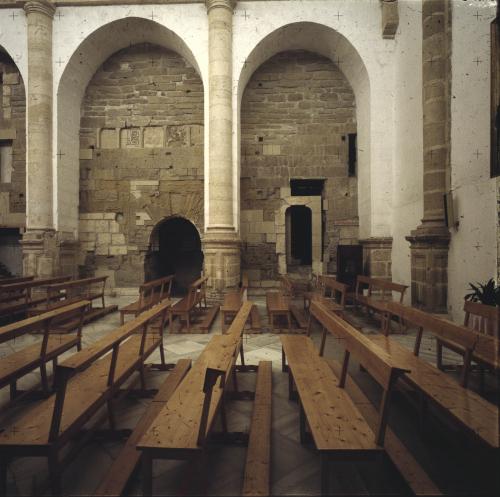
x=175, y=249
x=301, y=235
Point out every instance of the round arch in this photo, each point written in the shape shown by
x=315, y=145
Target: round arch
x=325, y=41
x=82, y=65
x=174, y=248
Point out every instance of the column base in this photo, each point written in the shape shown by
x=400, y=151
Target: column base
x=429, y=267
x=222, y=262
x=48, y=253
x=377, y=259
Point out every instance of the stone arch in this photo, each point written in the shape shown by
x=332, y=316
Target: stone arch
x=82, y=65
x=174, y=248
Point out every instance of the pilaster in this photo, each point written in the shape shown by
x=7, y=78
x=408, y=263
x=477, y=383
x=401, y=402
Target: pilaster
x=430, y=240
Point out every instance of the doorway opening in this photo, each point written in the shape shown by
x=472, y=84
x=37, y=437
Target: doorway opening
x=298, y=221
x=175, y=248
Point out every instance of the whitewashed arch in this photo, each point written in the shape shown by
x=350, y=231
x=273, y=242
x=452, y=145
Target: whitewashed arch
x=92, y=52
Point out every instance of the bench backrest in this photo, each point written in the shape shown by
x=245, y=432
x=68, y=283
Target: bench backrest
x=83, y=359
x=26, y=287
x=45, y=322
x=374, y=359
x=482, y=318
x=384, y=287
x=84, y=287
x=334, y=289
x=287, y=286
x=196, y=290
x=155, y=291
x=440, y=328
x=20, y=279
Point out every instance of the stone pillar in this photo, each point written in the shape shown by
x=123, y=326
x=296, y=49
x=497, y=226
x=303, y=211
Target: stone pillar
x=377, y=257
x=221, y=244
x=429, y=242
x=39, y=241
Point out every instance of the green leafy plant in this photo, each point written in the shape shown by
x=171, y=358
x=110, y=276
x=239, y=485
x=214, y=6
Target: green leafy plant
x=488, y=294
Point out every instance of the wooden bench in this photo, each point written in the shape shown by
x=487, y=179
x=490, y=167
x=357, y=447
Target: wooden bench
x=181, y=428
x=330, y=292
x=15, y=279
x=380, y=292
x=60, y=294
x=257, y=477
x=18, y=364
x=278, y=305
x=128, y=458
x=150, y=293
x=184, y=307
x=85, y=382
x=482, y=318
x=465, y=408
x=19, y=298
x=338, y=429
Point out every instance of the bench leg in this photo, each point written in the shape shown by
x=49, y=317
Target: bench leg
x=235, y=380
x=45, y=382
x=13, y=389
x=122, y=318
x=439, y=355
x=323, y=341
x=147, y=474
x=324, y=474
x=289, y=321
x=162, y=354
x=242, y=355
x=54, y=473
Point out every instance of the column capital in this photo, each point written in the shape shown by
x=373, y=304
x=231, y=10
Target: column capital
x=43, y=6
x=227, y=4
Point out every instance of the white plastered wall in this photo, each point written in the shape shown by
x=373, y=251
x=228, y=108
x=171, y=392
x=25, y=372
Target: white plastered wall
x=84, y=37
x=408, y=158
x=472, y=255
x=340, y=29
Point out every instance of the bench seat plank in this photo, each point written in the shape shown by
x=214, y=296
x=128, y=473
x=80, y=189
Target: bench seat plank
x=123, y=466
x=83, y=395
x=336, y=424
x=468, y=408
x=258, y=462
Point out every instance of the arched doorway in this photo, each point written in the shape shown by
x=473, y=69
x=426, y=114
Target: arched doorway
x=175, y=249
x=298, y=227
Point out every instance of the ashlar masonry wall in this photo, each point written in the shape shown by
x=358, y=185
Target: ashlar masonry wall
x=141, y=158
x=296, y=112
x=13, y=131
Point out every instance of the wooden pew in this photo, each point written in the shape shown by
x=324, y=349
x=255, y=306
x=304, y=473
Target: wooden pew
x=278, y=305
x=15, y=279
x=181, y=428
x=233, y=300
x=337, y=428
x=123, y=466
x=184, y=307
x=257, y=477
x=482, y=318
x=150, y=293
x=20, y=363
x=85, y=382
x=60, y=294
x=465, y=408
x=330, y=292
x=379, y=294
x=19, y=298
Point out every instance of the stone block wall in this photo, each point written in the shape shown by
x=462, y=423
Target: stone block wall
x=296, y=113
x=141, y=158
x=13, y=128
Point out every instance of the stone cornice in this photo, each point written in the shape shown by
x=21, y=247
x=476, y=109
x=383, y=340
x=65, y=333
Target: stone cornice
x=41, y=6
x=226, y=4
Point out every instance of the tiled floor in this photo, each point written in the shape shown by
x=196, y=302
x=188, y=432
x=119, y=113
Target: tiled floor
x=295, y=468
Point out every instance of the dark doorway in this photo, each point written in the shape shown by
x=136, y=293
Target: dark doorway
x=175, y=249
x=299, y=236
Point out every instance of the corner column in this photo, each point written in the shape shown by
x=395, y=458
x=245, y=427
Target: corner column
x=429, y=242
x=221, y=244
x=39, y=241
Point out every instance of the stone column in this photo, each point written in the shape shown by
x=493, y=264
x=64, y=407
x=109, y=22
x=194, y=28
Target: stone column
x=221, y=245
x=39, y=241
x=429, y=242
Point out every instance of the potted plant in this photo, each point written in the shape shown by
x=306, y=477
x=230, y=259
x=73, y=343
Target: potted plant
x=487, y=294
